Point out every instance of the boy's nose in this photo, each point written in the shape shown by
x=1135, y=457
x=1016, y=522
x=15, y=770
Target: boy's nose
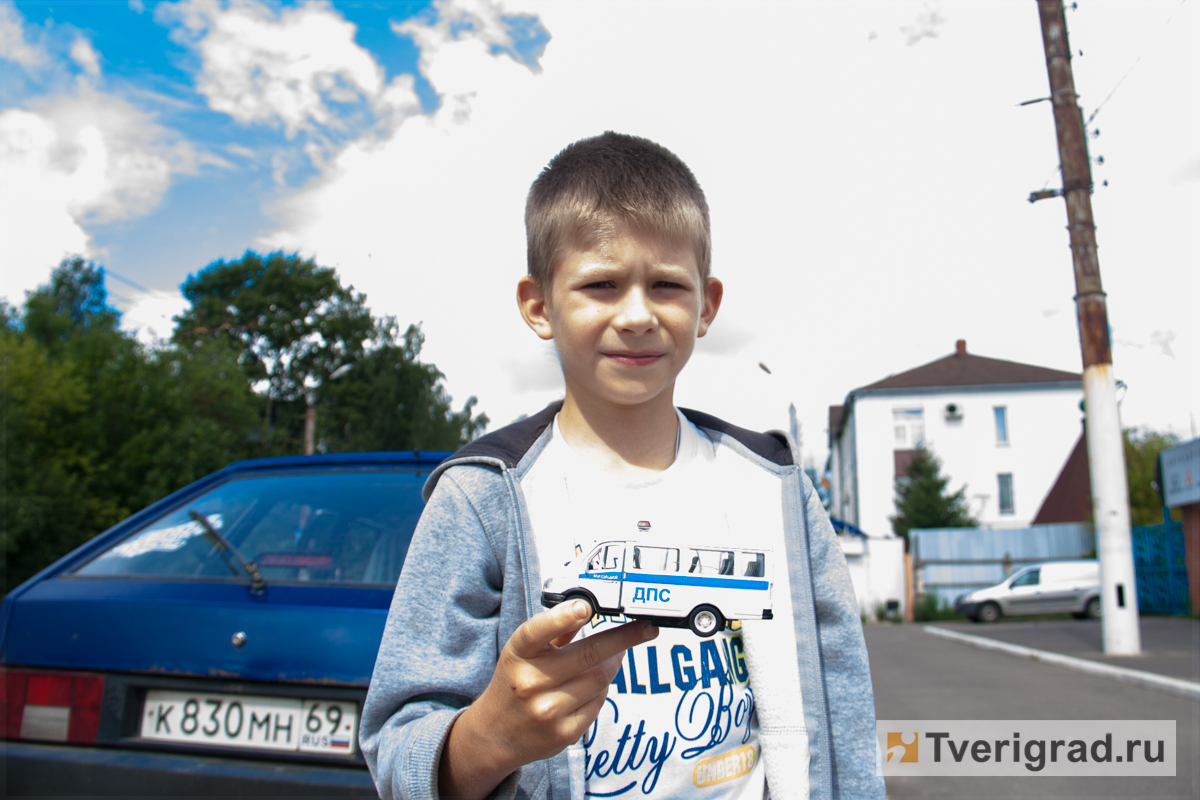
x=636, y=314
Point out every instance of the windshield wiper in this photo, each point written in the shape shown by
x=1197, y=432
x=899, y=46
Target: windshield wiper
x=222, y=545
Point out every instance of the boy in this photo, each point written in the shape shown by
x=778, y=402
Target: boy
x=479, y=692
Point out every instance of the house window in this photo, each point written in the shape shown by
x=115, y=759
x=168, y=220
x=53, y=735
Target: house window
x=1006, y=493
x=1001, y=424
x=908, y=425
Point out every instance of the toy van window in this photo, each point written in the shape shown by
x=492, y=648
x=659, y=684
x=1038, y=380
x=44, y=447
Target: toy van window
x=655, y=559
x=751, y=565
x=340, y=527
x=704, y=562
x=612, y=556
x=711, y=562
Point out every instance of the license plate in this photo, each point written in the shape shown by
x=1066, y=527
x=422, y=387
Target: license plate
x=251, y=721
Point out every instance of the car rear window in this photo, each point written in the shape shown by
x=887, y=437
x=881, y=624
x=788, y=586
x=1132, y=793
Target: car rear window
x=341, y=527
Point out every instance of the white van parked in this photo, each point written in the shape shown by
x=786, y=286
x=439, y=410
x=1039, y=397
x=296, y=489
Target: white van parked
x=1051, y=588
x=673, y=586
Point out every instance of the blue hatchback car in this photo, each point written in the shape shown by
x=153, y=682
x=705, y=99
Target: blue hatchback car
x=219, y=642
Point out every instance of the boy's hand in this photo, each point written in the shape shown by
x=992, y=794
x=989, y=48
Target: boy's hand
x=544, y=694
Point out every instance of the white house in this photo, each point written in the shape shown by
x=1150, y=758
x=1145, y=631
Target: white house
x=1002, y=429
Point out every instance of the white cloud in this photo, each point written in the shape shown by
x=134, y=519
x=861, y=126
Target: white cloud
x=925, y=26
x=483, y=21
x=13, y=44
x=297, y=66
x=70, y=160
x=148, y=314
x=85, y=56
x=849, y=245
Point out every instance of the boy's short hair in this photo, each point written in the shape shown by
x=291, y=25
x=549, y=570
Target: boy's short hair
x=598, y=182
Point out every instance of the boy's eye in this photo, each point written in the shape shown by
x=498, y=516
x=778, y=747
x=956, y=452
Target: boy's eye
x=668, y=285
x=600, y=285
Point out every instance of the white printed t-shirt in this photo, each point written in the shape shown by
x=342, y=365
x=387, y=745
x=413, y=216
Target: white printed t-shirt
x=679, y=721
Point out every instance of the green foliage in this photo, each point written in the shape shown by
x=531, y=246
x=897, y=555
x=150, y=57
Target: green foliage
x=922, y=501
x=291, y=321
x=928, y=608
x=97, y=426
x=1141, y=457
x=391, y=401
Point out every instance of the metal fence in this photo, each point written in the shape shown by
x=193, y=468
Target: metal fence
x=1162, y=584
x=948, y=562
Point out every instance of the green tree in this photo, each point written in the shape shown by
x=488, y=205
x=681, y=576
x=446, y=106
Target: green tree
x=392, y=401
x=96, y=426
x=922, y=500
x=1141, y=456
x=293, y=321
x=45, y=470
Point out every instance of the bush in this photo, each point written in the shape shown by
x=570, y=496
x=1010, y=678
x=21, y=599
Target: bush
x=930, y=608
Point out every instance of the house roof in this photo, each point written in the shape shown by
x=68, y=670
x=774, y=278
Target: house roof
x=835, y=421
x=1070, y=498
x=960, y=368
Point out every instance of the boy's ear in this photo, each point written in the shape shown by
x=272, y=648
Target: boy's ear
x=531, y=299
x=714, y=290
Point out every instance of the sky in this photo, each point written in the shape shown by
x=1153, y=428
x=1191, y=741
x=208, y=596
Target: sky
x=867, y=166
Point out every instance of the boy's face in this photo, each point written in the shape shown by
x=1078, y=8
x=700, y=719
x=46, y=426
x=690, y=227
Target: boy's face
x=624, y=316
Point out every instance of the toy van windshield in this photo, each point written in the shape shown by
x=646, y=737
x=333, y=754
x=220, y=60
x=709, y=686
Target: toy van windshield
x=701, y=587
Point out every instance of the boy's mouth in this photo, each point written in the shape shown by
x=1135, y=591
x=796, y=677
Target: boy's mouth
x=634, y=359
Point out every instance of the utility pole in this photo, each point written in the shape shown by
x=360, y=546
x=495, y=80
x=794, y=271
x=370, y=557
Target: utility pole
x=310, y=411
x=310, y=423
x=1105, y=443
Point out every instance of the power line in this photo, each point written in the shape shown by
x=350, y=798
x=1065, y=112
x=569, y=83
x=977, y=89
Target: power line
x=1112, y=91
x=126, y=281
x=1132, y=67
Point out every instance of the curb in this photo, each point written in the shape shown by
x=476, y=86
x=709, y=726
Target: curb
x=1124, y=674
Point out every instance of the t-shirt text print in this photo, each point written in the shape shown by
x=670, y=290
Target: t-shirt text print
x=680, y=697
x=679, y=721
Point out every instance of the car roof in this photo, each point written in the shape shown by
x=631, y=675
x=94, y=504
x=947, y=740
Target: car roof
x=431, y=457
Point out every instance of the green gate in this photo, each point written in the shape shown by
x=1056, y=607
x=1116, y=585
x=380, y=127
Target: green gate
x=1162, y=584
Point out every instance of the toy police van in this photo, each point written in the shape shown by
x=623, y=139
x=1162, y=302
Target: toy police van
x=672, y=586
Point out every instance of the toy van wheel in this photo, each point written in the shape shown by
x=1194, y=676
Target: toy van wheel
x=705, y=621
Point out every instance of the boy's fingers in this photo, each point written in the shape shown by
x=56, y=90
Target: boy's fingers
x=587, y=653
x=585, y=714
x=535, y=634
x=579, y=698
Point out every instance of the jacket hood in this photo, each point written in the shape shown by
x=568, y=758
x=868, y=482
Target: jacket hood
x=508, y=445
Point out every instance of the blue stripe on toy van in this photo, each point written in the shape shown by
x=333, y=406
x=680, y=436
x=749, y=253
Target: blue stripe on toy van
x=682, y=580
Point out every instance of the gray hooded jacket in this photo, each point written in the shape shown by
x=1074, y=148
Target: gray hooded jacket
x=471, y=578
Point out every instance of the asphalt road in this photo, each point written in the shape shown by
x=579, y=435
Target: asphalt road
x=1170, y=645
x=921, y=676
